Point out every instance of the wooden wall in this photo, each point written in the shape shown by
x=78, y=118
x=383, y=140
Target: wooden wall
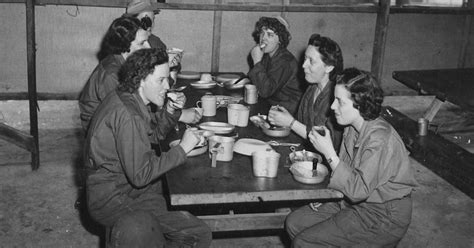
x=68, y=38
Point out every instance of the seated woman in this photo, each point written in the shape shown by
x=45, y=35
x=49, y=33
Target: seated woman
x=373, y=172
x=323, y=61
x=274, y=70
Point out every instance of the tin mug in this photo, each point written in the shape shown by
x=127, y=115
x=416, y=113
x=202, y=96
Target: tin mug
x=208, y=103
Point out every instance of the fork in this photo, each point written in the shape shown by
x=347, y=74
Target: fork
x=276, y=143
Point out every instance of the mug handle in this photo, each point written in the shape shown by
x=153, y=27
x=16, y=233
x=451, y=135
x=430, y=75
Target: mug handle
x=197, y=104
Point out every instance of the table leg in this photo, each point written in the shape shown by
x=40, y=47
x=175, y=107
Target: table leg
x=433, y=109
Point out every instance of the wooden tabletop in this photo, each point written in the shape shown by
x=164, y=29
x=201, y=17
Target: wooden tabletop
x=196, y=182
x=454, y=85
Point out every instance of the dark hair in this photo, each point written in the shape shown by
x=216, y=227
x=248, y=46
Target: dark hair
x=330, y=51
x=138, y=66
x=365, y=90
x=120, y=35
x=145, y=22
x=275, y=25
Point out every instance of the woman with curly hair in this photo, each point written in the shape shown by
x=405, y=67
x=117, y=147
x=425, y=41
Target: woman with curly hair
x=124, y=36
x=124, y=191
x=322, y=62
x=274, y=70
x=373, y=172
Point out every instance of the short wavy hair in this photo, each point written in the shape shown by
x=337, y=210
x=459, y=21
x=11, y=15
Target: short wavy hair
x=120, y=35
x=365, y=91
x=138, y=66
x=331, y=53
x=272, y=23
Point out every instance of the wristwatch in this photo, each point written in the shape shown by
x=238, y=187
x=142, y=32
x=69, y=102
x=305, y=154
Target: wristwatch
x=331, y=160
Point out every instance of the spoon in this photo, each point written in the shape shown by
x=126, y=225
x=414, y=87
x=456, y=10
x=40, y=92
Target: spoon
x=238, y=80
x=179, y=89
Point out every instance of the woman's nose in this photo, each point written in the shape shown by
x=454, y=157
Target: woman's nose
x=305, y=63
x=147, y=44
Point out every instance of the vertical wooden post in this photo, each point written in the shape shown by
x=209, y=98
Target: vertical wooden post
x=284, y=13
x=216, y=38
x=380, y=39
x=31, y=66
x=465, y=36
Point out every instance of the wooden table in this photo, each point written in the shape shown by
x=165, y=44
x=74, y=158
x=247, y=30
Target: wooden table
x=447, y=159
x=197, y=184
x=454, y=85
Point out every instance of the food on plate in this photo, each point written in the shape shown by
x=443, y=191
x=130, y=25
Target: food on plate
x=260, y=121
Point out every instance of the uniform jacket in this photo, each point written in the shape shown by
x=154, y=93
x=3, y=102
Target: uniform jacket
x=276, y=79
x=118, y=157
x=374, y=165
x=319, y=113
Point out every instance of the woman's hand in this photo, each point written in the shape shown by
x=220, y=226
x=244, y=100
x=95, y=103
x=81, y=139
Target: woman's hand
x=257, y=54
x=279, y=116
x=177, y=103
x=190, y=116
x=190, y=139
x=322, y=143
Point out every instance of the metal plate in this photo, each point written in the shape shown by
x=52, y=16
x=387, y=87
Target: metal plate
x=226, y=77
x=203, y=85
x=194, y=152
x=248, y=146
x=189, y=75
x=217, y=127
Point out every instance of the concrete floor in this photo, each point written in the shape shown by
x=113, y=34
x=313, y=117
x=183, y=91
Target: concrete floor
x=36, y=207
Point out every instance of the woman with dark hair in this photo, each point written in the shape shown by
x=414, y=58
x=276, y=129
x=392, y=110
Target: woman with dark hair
x=323, y=61
x=274, y=70
x=373, y=172
x=124, y=174
x=123, y=37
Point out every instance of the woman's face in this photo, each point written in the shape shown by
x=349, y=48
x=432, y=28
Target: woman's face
x=270, y=39
x=153, y=88
x=315, y=70
x=343, y=107
x=140, y=42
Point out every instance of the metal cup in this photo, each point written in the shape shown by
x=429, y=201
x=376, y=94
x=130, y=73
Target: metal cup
x=422, y=126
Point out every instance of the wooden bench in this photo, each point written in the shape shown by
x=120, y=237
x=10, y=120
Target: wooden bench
x=22, y=140
x=445, y=158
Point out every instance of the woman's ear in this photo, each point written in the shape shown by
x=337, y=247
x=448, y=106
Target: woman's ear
x=329, y=68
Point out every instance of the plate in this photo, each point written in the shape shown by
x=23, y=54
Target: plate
x=223, y=101
x=194, y=152
x=231, y=85
x=226, y=77
x=217, y=127
x=189, y=75
x=203, y=85
x=248, y=146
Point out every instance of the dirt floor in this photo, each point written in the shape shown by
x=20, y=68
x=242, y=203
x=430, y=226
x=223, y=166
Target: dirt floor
x=37, y=207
